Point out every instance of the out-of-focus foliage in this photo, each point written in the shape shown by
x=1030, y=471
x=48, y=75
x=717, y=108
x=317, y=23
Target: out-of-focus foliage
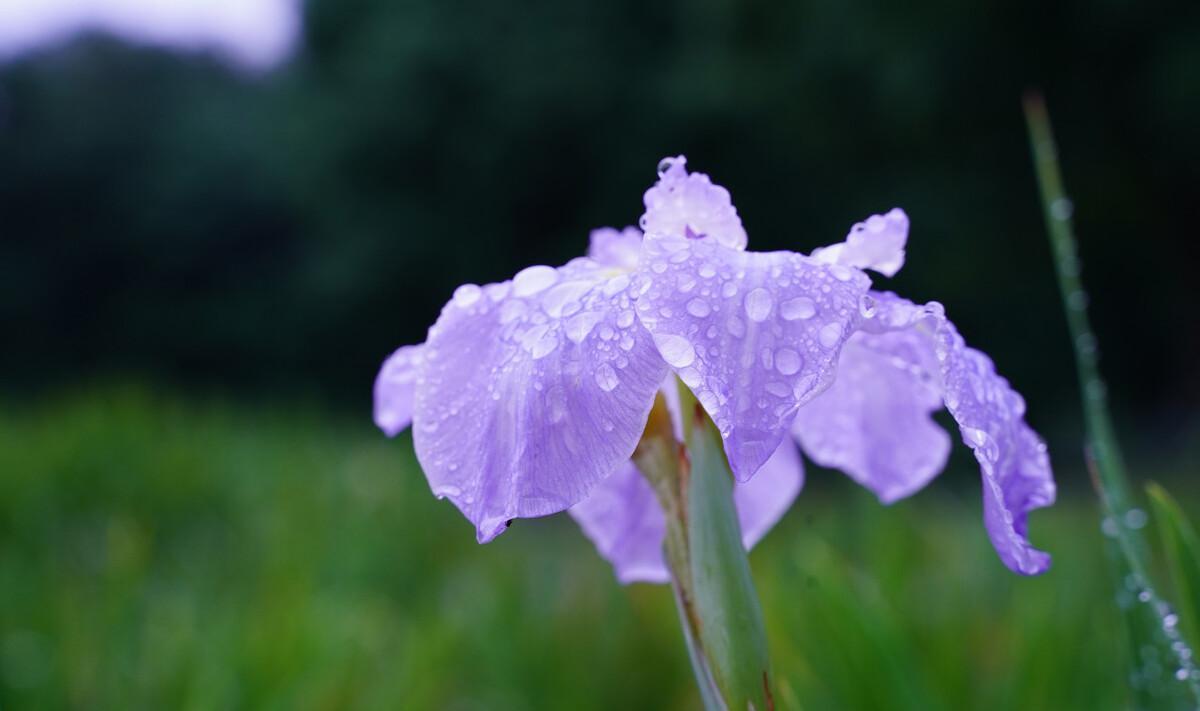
x=155, y=554
x=286, y=231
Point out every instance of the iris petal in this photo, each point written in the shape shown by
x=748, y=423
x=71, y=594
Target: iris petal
x=618, y=249
x=990, y=415
x=394, y=390
x=876, y=243
x=533, y=391
x=754, y=335
x=623, y=519
x=874, y=422
x=689, y=205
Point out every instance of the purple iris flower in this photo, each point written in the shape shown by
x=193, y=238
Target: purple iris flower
x=529, y=396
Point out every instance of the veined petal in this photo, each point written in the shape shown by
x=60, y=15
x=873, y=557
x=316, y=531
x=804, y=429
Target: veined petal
x=618, y=249
x=754, y=335
x=874, y=422
x=990, y=415
x=394, y=390
x=876, y=243
x=623, y=519
x=689, y=205
x=532, y=392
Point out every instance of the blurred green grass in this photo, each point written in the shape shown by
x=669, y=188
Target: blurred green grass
x=163, y=552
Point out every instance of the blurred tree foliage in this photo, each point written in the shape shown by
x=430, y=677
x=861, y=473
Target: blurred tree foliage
x=165, y=215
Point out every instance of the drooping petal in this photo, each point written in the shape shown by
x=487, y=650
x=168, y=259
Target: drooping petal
x=689, y=205
x=394, y=390
x=874, y=422
x=876, y=243
x=532, y=392
x=623, y=519
x=754, y=335
x=618, y=249
x=990, y=415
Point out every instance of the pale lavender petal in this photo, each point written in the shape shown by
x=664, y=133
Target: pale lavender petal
x=754, y=335
x=533, y=391
x=623, y=519
x=394, y=390
x=874, y=422
x=990, y=415
x=764, y=499
x=612, y=248
x=876, y=243
x=688, y=205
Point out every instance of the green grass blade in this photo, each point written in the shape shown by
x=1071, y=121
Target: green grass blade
x=1162, y=673
x=1182, y=548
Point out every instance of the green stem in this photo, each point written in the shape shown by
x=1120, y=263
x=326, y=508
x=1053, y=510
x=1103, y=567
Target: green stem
x=719, y=611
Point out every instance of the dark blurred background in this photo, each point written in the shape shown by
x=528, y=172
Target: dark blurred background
x=280, y=231
x=204, y=262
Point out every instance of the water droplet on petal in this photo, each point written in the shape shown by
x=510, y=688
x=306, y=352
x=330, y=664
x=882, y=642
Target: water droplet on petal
x=787, y=361
x=758, y=304
x=829, y=334
x=736, y=327
x=675, y=350
x=606, y=377
x=466, y=295
x=801, y=307
x=699, y=308
x=531, y=280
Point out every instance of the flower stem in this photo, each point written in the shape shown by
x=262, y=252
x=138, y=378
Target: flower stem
x=718, y=607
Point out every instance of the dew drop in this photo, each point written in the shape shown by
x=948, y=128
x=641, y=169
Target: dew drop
x=580, y=325
x=466, y=295
x=787, y=361
x=736, y=327
x=758, y=304
x=556, y=301
x=778, y=389
x=1061, y=209
x=829, y=334
x=675, y=350
x=606, y=377
x=531, y=280
x=801, y=307
x=707, y=271
x=1077, y=300
x=699, y=308
x=729, y=289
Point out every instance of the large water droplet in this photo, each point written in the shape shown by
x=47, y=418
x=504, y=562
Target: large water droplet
x=539, y=341
x=699, y=308
x=531, y=280
x=606, y=377
x=580, y=325
x=675, y=350
x=800, y=307
x=758, y=304
x=788, y=361
x=466, y=295
x=1061, y=209
x=778, y=389
x=555, y=302
x=829, y=334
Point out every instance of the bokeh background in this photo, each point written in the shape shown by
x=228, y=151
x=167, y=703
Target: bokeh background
x=210, y=239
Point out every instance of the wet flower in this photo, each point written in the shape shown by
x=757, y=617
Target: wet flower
x=529, y=396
